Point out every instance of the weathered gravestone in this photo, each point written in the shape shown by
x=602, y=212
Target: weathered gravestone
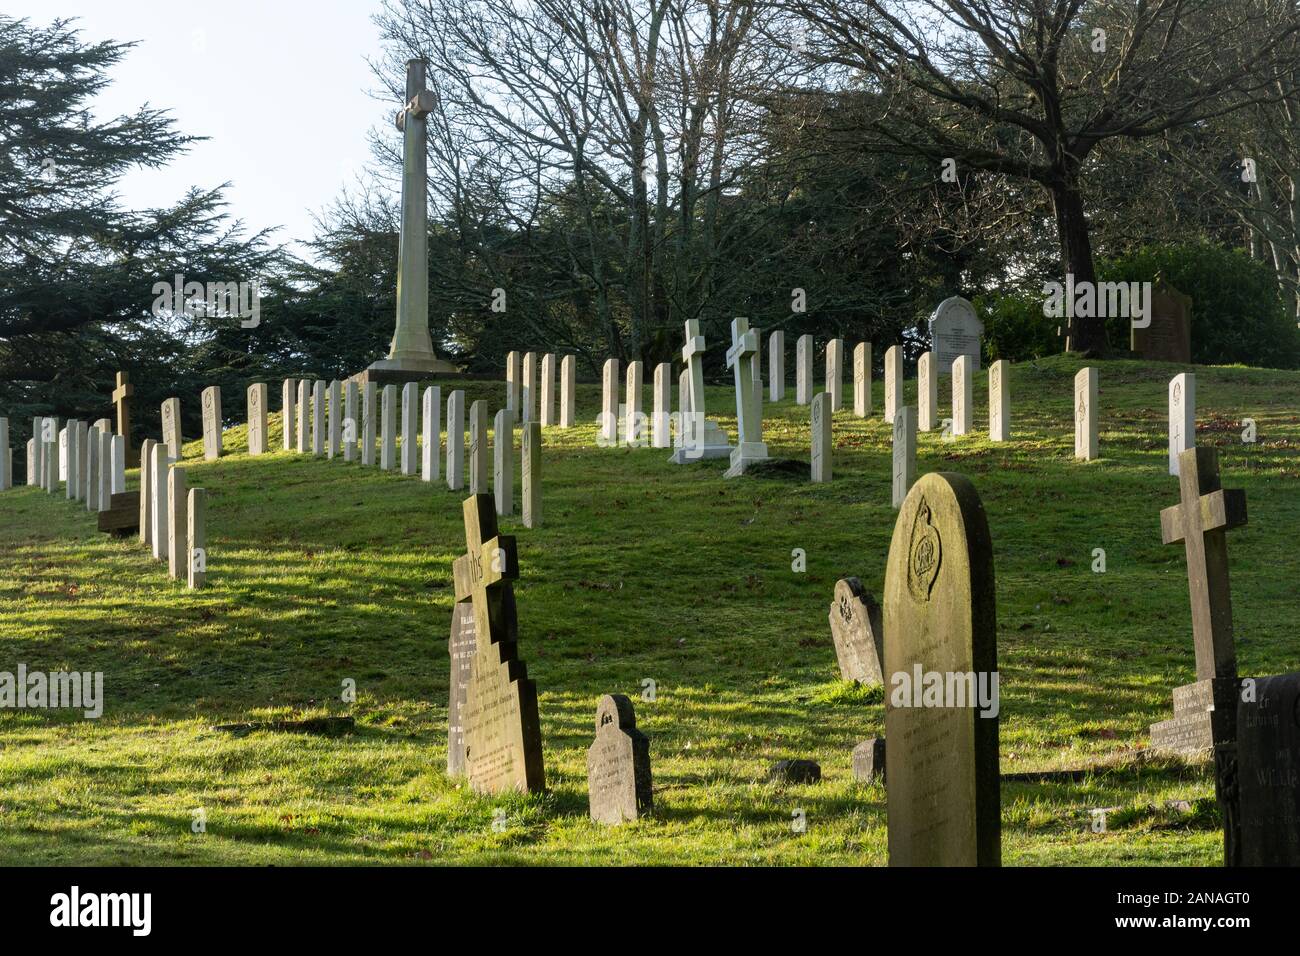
x=893, y=381
x=803, y=369
x=388, y=430
x=955, y=331
x=963, y=394
x=456, y=440
x=633, y=414
x=460, y=648
x=821, y=437
x=940, y=666
x=177, y=524
x=904, y=454
x=198, y=538
x=503, y=737
x=856, y=628
x=530, y=387
x=1268, y=771
x=303, y=427
x=334, y=436
x=1168, y=337
x=1086, y=395
x=927, y=393
x=212, y=422
x=619, y=786
x=869, y=761
x=257, y=443
x=369, y=419
x=999, y=401
x=478, y=447
x=700, y=436
x=351, y=423
x=145, y=521
x=318, y=417
x=410, y=427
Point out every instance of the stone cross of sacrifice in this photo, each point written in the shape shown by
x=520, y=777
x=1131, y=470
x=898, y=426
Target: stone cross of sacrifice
x=121, y=394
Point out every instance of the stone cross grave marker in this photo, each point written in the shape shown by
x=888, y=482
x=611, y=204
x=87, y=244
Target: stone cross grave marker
x=1201, y=520
x=821, y=437
x=856, y=628
x=940, y=635
x=1182, y=417
x=502, y=732
x=122, y=402
x=701, y=437
x=257, y=418
x=803, y=369
x=749, y=443
x=619, y=784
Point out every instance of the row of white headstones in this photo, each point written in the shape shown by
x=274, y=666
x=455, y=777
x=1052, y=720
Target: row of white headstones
x=907, y=420
x=90, y=463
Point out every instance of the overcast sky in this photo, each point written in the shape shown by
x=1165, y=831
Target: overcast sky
x=281, y=87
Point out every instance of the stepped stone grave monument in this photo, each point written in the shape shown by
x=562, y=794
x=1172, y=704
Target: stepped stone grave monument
x=619, y=785
x=502, y=732
x=858, y=633
x=941, y=707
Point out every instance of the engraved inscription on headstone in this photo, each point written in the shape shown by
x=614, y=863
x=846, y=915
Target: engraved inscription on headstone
x=619, y=784
x=856, y=628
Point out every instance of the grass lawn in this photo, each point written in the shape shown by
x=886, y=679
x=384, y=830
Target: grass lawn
x=322, y=571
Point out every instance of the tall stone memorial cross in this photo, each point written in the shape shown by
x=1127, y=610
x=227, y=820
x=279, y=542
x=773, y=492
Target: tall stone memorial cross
x=1207, y=511
x=121, y=399
x=502, y=733
x=700, y=437
x=940, y=635
x=749, y=443
x=411, y=351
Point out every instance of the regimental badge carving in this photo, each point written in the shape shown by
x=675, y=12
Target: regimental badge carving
x=846, y=609
x=924, y=555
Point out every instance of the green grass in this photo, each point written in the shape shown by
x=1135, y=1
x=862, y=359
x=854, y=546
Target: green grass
x=322, y=571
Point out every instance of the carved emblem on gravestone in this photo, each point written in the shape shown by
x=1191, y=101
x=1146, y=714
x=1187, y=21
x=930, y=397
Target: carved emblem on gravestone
x=619, y=785
x=924, y=555
x=855, y=627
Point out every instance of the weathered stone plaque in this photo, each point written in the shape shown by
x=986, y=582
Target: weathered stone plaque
x=1169, y=336
x=619, y=785
x=1268, y=764
x=856, y=628
x=940, y=626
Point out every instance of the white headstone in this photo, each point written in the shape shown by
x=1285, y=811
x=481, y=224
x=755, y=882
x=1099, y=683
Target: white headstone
x=803, y=369
x=32, y=461
x=351, y=420
x=63, y=453
x=197, y=538
x=749, y=444
x=1182, y=416
x=431, y=463
x=212, y=422
x=955, y=330
x=287, y=412
x=999, y=401
x=756, y=370
x=410, y=428
x=893, y=381
x=568, y=386
x=388, y=430
x=106, y=469
x=904, y=453
x=531, y=488
x=318, y=417
x=6, y=466
x=369, y=422
x=177, y=524
x=547, y=390
x=663, y=407
x=821, y=437
x=776, y=366
x=927, y=394
x=83, y=460
x=503, y=461
x=530, y=387
x=962, y=395
x=835, y=373
x=334, y=437
x=514, y=381
x=634, y=411
x=609, y=404
x=1085, y=414
x=257, y=443
x=117, y=479
x=145, y=532
x=92, y=471
x=171, y=429
x=158, y=522
x=304, y=416
x=456, y=440
x=74, y=462
x=862, y=379
x=478, y=446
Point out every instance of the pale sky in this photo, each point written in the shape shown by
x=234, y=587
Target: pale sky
x=280, y=87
